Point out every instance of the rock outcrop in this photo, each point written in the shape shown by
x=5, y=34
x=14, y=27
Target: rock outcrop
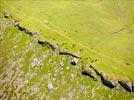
x=128, y=87
x=97, y=72
x=132, y=87
x=107, y=82
x=68, y=53
x=88, y=73
x=47, y=43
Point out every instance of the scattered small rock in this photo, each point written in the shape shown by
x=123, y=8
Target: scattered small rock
x=16, y=23
x=36, y=62
x=61, y=64
x=50, y=87
x=46, y=22
x=6, y=15
x=74, y=61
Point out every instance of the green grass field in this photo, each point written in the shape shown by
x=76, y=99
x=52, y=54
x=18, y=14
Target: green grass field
x=101, y=32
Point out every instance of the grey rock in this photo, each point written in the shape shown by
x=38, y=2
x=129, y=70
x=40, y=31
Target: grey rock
x=74, y=61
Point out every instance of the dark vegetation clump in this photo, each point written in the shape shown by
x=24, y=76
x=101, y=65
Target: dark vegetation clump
x=127, y=63
x=73, y=45
x=76, y=31
x=80, y=49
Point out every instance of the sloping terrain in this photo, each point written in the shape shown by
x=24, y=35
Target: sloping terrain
x=40, y=41
x=32, y=71
x=100, y=32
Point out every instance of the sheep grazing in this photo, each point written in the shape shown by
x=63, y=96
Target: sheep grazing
x=107, y=82
x=125, y=85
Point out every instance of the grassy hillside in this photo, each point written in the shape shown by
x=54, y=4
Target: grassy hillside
x=100, y=32
x=30, y=71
